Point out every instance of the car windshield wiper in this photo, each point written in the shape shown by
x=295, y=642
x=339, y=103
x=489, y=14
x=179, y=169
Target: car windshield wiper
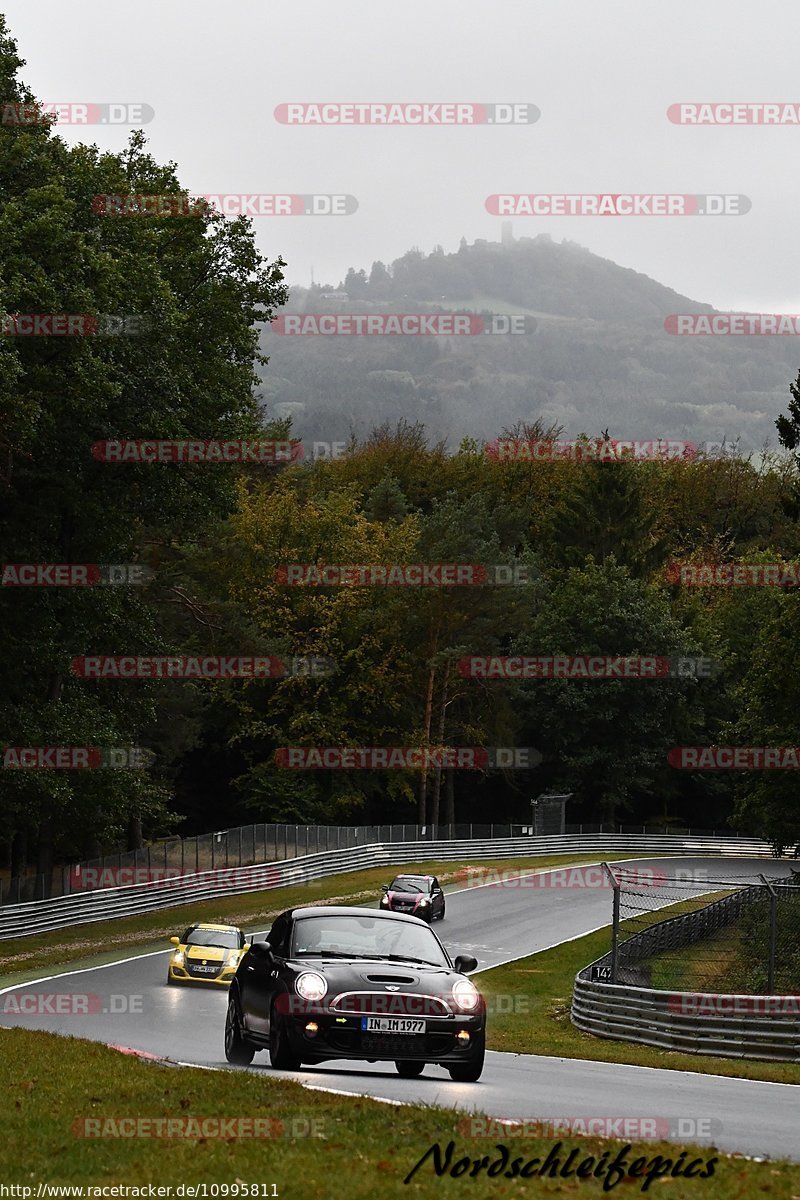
x=411, y=958
x=332, y=954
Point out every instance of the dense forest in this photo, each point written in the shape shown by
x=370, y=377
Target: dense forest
x=598, y=543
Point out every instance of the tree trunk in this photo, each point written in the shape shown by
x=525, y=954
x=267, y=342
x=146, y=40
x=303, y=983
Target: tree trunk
x=19, y=852
x=449, y=797
x=422, y=798
x=44, y=852
x=437, y=774
x=135, y=840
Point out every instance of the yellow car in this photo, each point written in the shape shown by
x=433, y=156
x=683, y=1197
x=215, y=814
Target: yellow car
x=206, y=954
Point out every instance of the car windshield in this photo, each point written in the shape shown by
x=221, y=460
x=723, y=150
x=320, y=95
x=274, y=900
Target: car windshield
x=366, y=937
x=404, y=884
x=228, y=939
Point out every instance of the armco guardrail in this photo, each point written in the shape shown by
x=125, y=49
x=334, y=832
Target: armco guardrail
x=19, y=920
x=728, y=1025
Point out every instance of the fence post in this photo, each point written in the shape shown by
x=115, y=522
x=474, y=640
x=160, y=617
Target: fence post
x=614, y=924
x=773, y=933
x=240, y=844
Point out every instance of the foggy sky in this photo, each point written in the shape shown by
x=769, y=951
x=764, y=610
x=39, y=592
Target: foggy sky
x=602, y=75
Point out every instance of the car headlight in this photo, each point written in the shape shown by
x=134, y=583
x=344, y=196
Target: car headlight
x=310, y=986
x=177, y=958
x=425, y=901
x=384, y=899
x=232, y=959
x=465, y=995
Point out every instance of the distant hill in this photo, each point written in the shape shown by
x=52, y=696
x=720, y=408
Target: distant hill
x=598, y=355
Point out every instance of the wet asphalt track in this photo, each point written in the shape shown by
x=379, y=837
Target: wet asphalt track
x=129, y=1004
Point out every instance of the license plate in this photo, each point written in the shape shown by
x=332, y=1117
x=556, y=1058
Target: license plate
x=206, y=970
x=391, y=1025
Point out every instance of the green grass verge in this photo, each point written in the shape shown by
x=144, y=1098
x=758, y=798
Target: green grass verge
x=530, y=999
x=92, y=944
x=360, y=1149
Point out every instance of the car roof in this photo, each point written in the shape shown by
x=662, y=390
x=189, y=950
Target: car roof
x=216, y=928
x=407, y=876
x=350, y=910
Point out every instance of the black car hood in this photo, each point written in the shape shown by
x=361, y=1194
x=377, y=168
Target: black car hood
x=366, y=974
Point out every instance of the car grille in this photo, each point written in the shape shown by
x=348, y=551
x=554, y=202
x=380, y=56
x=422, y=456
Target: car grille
x=388, y=1045
x=198, y=971
x=390, y=1004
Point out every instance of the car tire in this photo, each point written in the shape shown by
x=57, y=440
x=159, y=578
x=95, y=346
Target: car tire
x=408, y=1069
x=471, y=1070
x=441, y=914
x=281, y=1055
x=238, y=1051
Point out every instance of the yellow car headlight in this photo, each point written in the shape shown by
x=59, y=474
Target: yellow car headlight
x=177, y=958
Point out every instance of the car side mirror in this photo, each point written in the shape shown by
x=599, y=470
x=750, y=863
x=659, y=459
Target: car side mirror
x=245, y=947
x=465, y=963
x=385, y=888
x=261, y=949
x=175, y=941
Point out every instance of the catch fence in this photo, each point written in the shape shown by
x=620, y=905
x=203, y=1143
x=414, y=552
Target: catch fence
x=249, y=845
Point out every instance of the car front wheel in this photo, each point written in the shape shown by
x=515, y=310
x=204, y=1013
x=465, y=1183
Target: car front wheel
x=281, y=1055
x=237, y=1050
x=407, y=1069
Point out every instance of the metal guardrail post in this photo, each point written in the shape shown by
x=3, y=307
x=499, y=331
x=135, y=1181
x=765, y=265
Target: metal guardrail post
x=614, y=923
x=773, y=934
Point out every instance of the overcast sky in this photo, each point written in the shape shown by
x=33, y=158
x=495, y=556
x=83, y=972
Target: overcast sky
x=602, y=75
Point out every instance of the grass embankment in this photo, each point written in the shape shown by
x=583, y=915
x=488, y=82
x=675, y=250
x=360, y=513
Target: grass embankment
x=530, y=999
x=24, y=958
x=359, y=1149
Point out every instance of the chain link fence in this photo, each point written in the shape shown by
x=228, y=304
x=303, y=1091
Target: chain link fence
x=691, y=932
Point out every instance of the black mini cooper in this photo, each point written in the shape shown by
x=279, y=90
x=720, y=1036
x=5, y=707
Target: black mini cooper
x=341, y=982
